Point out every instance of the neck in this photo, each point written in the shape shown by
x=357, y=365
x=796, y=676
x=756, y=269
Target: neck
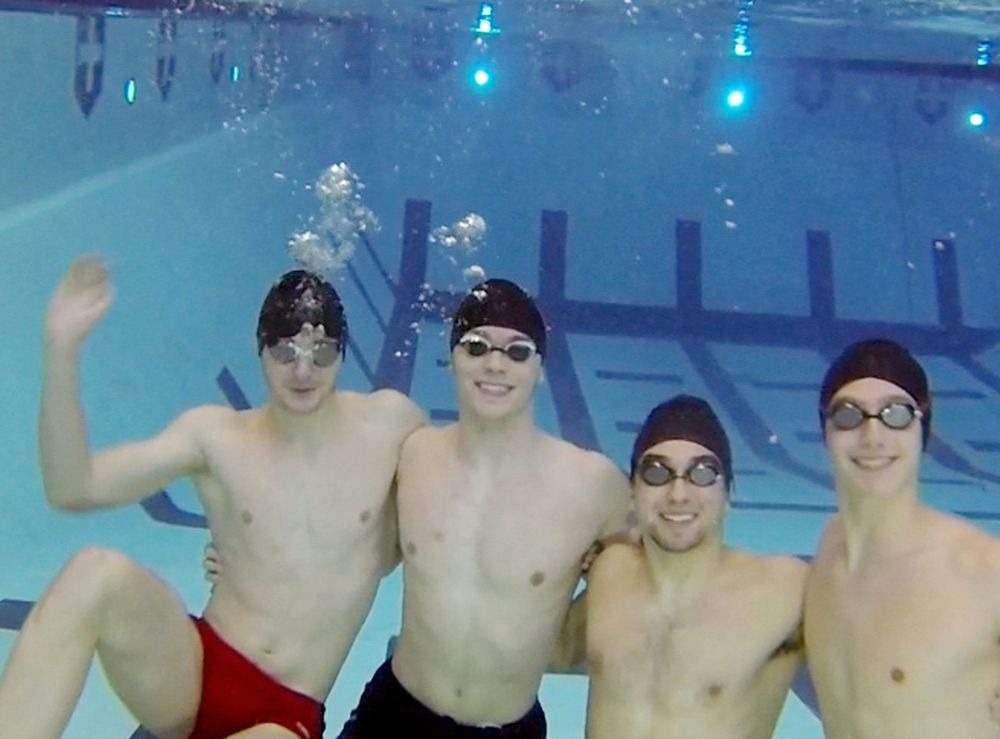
x=301, y=426
x=674, y=572
x=496, y=438
x=876, y=525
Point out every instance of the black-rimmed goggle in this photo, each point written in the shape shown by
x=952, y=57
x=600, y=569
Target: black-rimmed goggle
x=896, y=415
x=322, y=354
x=655, y=471
x=518, y=350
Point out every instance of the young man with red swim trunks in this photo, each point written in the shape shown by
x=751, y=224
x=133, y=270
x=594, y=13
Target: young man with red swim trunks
x=298, y=498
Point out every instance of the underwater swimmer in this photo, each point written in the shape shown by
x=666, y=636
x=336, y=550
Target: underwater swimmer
x=683, y=637
x=297, y=497
x=902, y=614
x=495, y=517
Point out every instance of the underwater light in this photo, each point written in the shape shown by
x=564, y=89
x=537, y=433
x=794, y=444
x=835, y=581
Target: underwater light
x=484, y=21
x=481, y=77
x=976, y=119
x=234, y=73
x=736, y=98
x=741, y=31
x=130, y=89
x=983, y=53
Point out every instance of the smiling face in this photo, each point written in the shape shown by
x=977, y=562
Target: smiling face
x=301, y=385
x=874, y=459
x=680, y=515
x=493, y=386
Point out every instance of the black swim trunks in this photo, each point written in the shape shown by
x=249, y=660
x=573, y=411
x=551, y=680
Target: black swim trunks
x=387, y=711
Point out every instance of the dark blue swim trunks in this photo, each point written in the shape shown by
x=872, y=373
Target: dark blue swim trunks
x=387, y=711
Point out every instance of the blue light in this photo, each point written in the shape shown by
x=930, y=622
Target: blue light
x=481, y=77
x=234, y=73
x=484, y=21
x=976, y=119
x=735, y=98
x=130, y=90
x=983, y=53
x=741, y=31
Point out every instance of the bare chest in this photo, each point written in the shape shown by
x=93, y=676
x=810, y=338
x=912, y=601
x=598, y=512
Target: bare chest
x=276, y=495
x=916, y=628
x=684, y=656
x=509, y=537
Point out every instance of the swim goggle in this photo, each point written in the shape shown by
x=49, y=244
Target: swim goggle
x=322, y=353
x=896, y=415
x=519, y=350
x=655, y=471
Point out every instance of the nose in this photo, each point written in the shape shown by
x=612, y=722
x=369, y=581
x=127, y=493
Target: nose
x=494, y=360
x=871, y=431
x=302, y=366
x=677, y=491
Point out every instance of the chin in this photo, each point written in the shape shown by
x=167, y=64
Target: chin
x=878, y=485
x=303, y=404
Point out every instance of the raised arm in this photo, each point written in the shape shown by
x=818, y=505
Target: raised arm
x=75, y=479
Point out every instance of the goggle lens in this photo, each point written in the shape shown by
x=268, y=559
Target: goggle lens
x=323, y=354
x=518, y=351
x=896, y=416
x=656, y=472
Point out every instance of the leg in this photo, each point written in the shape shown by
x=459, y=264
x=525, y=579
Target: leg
x=103, y=603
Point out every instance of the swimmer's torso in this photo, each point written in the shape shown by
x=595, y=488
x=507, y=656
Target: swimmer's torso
x=492, y=559
x=905, y=647
x=714, y=664
x=304, y=533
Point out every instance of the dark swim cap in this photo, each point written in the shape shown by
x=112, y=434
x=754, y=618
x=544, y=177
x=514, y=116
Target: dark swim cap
x=691, y=419
x=500, y=303
x=297, y=298
x=885, y=360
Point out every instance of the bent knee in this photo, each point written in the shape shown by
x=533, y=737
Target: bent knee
x=95, y=573
x=267, y=731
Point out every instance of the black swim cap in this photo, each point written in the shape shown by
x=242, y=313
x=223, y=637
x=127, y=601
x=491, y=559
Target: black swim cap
x=500, y=303
x=885, y=360
x=297, y=298
x=691, y=419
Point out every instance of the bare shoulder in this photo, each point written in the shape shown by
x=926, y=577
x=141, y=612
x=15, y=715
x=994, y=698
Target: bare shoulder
x=615, y=563
x=773, y=587
x=391, y=408
x=967, y=546
x=597, y=480
x=427, y=438
x=589, y=465
x=831, y=541
x=205, y=419
x=777, y=573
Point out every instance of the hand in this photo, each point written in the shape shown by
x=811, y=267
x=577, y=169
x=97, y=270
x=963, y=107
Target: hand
x=212, y=564
x=590, y=555
x=79, y=302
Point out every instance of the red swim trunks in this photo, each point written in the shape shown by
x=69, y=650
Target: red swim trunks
x=236, y=695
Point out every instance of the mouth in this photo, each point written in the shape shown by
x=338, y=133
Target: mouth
x=494, y=390
x=678, y=517
x=873, y=464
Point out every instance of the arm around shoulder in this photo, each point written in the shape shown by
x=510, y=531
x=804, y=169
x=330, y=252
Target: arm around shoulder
x=570, y=655
x=616, y=495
